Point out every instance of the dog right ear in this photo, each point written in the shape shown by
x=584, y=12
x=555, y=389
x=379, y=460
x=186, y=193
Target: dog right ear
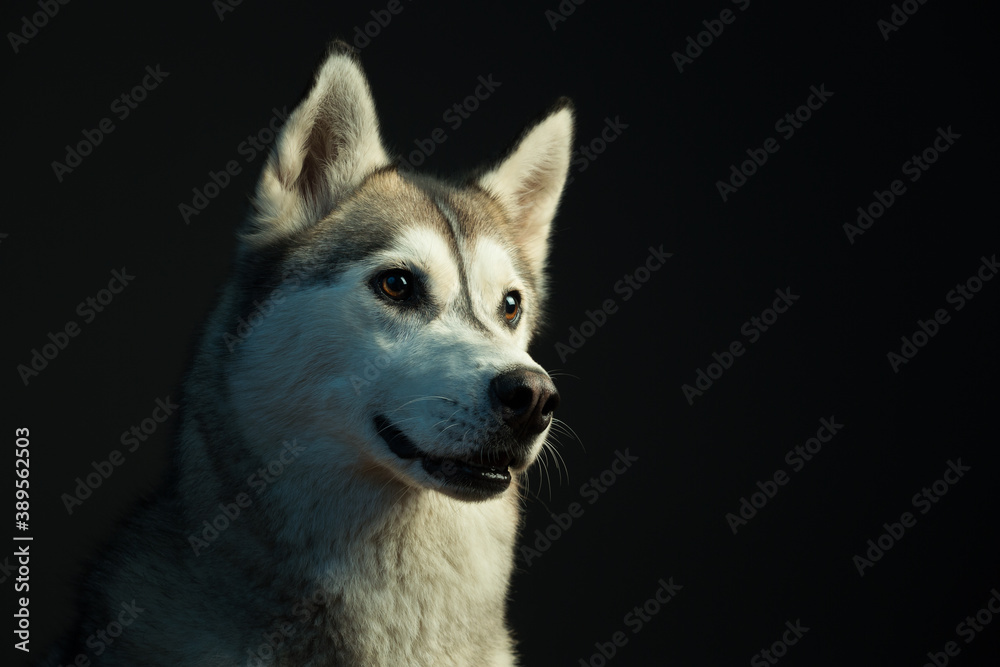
x=328, y=145
x=529, y=181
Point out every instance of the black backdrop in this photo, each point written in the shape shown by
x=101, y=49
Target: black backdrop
x=865, y=99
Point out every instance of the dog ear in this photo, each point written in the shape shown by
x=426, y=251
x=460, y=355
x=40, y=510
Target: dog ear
x=328, y=145
x=529, y=181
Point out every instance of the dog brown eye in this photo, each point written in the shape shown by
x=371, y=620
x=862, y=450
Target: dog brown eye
x=397, y=285
x=511, y=307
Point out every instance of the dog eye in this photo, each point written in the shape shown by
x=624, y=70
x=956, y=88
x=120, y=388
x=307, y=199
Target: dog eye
x=511, y=307
x=396, y=284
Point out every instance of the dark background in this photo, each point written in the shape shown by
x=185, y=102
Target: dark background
x=665, y=516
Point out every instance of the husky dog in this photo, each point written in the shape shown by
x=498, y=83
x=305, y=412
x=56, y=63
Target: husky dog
x=358, y=417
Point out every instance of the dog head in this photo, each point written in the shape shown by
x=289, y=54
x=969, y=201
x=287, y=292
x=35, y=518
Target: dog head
x=388, y=314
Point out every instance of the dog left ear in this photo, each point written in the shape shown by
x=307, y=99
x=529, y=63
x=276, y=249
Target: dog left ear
x=530, y=180
x=326, y=148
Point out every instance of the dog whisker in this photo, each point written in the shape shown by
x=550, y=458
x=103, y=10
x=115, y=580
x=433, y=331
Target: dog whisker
x=554, y=373
x=564, y=428
x=426, y=398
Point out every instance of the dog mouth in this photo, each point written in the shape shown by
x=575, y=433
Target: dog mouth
x=477, y=477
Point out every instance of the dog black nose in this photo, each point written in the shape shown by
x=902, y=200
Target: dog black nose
x=526, y=400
